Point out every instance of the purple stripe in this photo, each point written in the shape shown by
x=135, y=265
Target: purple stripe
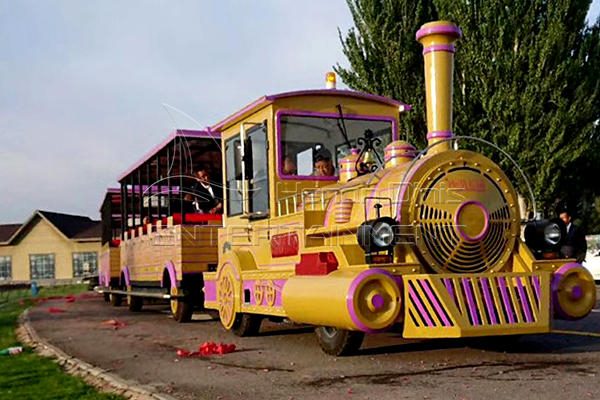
x=440, y=135
x=524, y=300
x=435, y=302
x=450, y=29
x=489, y=302
x=471, y=301
x=210, y=290
x=450, y=288
x=405, y=155
x=506, y=300
x=536, y=285
x=415, y=298
x=439, y=47
x=401, y=147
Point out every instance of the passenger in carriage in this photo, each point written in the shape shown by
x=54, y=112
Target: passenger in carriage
x=207, y=196
x=323, y=164
x=289, y=166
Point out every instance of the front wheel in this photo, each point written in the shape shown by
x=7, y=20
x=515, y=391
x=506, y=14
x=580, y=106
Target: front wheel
x=339, y=342
x=181, y=308
x=246, y=324
x=134, y=303
x=106, y=297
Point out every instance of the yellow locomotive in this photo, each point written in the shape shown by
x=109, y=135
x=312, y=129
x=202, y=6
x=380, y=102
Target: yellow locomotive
x=332, y=221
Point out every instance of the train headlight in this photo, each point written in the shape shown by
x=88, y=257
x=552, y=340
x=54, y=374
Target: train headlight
x=546, y=237
x=378, y=235
x=552, y=234
x=382, y=234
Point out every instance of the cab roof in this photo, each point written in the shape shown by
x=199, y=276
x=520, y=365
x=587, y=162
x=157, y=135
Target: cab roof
x=269, y=99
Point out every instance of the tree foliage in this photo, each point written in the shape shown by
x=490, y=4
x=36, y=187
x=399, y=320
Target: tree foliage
x=527, y=78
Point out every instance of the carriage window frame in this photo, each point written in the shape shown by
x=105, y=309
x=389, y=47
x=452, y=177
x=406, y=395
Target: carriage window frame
x=298, y=113
x=232, y=139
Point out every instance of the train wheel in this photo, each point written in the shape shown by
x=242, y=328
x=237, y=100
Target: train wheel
x=115, y=299
x=181, y=308
x=338, y=342
x=226, y=289
x=246, y=324
x=134, y=303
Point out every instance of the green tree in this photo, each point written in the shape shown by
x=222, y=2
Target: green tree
x=527, y=78
x=384, y=57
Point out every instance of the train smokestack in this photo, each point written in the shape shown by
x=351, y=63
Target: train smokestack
x=438, y=39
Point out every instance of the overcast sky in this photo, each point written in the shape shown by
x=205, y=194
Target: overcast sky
x=82, y=82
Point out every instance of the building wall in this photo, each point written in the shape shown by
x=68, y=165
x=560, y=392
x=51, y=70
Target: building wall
x=46, y=239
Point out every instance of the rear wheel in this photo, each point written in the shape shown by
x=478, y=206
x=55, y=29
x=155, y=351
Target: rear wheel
x=338, y=342
x=115, y=299
x=246, y=324
x=181, y=308
x=134, y=303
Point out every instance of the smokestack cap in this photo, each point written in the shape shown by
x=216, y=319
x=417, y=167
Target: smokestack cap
x=439, y=27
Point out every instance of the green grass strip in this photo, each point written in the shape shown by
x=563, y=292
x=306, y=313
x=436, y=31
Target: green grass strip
x=29, y=376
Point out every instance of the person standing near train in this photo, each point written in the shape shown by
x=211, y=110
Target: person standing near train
x=576, y=246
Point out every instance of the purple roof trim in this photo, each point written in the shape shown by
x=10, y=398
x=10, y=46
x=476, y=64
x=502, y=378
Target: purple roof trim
x=263, y=101
x=176, y=133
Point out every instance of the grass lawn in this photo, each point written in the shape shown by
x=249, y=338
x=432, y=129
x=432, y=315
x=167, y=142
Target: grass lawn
x=29, y=376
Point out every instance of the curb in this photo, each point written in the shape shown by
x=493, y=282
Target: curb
x=101, y=379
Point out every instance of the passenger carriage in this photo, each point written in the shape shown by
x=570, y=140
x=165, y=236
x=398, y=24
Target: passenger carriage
x=110, y=256
x=391, y=238
x=166, y=247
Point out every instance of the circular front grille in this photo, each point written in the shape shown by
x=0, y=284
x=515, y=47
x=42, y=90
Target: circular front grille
x=465, y=220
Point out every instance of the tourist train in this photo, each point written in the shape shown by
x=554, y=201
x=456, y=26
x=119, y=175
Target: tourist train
x=331, y=220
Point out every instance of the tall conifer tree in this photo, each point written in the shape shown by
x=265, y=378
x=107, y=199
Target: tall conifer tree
x=527, y=78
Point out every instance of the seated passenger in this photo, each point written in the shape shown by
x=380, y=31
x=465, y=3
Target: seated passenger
x=289, y=166
x=207, y=196
x=323, y=164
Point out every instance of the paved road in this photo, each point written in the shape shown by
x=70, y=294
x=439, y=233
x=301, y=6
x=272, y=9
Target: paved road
x=285, y=362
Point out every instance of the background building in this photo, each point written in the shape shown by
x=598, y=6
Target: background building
x=49, y=248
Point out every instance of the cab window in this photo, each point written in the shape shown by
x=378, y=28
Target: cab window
x=312, y=146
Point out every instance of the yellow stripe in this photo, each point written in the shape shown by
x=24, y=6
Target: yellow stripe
x=475, y=286
x=459, y=296
x=496, y=296
x=515, y=301
x=425, y=300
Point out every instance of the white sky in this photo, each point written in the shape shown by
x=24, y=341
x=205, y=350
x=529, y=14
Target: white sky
x=82, y=82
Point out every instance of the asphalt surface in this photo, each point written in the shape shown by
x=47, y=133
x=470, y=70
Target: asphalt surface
x=285, y=362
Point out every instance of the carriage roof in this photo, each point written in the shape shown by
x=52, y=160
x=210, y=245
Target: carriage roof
x=197, y=140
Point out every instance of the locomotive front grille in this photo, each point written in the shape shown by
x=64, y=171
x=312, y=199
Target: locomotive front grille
x=466, y=219
x=456, y=255
x=451, y=305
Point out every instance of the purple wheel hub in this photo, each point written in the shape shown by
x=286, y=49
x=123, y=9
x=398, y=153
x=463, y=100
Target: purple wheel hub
x=377, y=301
